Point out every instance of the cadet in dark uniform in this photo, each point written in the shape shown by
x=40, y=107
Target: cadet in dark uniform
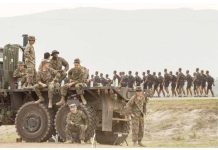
x=189, y=80
x=149, y=80
x=96, y=79
x=166, y=82
x=173, y=83
x=155, y=83
x=131, y=80
x=203, y=83
x=76, y=122
x=138, y=79
x=210, y=82
x=144, y=81
x=160, y=84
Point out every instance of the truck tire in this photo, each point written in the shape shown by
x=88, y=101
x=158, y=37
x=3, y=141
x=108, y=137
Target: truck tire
x=61, y=116
x=112, y=138
x=33, y=122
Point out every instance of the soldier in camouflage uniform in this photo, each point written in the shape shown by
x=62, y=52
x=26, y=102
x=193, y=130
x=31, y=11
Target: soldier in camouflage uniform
x=210, y=82
x=96, y=79
x=20, y=74
x=189, y=80
x=131, y=80
x=102, y=80
x=76, y=122
x=166, y=82
x=149, y=80
x=195, y=84
x=29, y=56
x=116, y=77
x=173, y=80
x=108, y=80
x=45, y=79
x=180, y=82
x=137, y=109
x=138, y=79
x=144, y=81
x=77, y=80
x=198, y=82
x=155, y=83
x=160, y=84
x=57, y=63
x=203, y=83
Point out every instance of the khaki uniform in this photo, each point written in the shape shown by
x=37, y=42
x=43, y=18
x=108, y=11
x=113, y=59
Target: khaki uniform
x=29, y=55
x=76, y=76
x=21, y=75
x=76, y=122
x=138, y=108
x=57, y=64
x=47, y=77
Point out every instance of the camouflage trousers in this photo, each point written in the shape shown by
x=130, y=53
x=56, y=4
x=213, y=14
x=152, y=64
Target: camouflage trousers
x=79, y=89
x=70, y=129
x=137, y=128
x=52, y=89
x=62, y=76
x=31, y=73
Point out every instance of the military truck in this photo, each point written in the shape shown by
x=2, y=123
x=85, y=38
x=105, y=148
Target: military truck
x=38, y=123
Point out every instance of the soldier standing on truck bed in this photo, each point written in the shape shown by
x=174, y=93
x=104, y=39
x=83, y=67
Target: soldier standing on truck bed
x=57, y=62
x=108, y=80
x=137, y=109
x=46, y=78
x=76, y=122
x=76, y=79
x=124, y=80
x=29, y=57
x=20, y=74
x=96, y=79
x=102, y=80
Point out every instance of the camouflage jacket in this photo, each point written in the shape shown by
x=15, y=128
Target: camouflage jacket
x=19, y=73
x=46, y=76
x=160, y=80
x=166, y=78
x=181, y=77
x=137, y=106
x=96, y=80
x=78, y=118
x=189, y=78
x=76, y=75
x=103, y=81
x=138, y=80
x=131, y=80
x=57, y=64
x=29, y=54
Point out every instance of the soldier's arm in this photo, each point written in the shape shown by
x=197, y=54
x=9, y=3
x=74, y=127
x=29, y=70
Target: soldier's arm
x=84, y=117
x=16, y=74
x=69, y=118
x=65, y=64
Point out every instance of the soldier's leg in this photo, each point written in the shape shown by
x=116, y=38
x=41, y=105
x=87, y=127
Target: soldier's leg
x=79, y=91
x=135, y=129
x=51, y=91
x=30, y=74
x=69, y=132
x=64, y=90
x=141, y=131
x=82, y=131
x=37, y=89
x=62, y=76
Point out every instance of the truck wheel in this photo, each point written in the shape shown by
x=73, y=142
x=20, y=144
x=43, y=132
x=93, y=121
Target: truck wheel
x=33, y=122
x=61, y=116
x=113, y=138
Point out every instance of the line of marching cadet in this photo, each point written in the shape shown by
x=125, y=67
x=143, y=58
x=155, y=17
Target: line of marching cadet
x=200, y=84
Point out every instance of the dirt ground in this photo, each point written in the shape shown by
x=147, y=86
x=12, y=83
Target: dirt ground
x=171, y=123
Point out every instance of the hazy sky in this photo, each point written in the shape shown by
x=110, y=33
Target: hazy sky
x=13, y=8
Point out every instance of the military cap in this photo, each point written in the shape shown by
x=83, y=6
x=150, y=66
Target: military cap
x=77, y=60
x=31, y=38
x=54, y=52
x=138, y=88
x=45, y=61
x=20, y=63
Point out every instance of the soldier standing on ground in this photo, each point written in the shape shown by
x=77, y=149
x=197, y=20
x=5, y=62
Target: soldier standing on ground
x=173, y=83
x=195, y=84
x=124, y=80
x=138, y=79
x=45, y=79
x=144, y=81
x=149, y=80
x=29, y=56
x=203, y=83
x=181, y=82
x=160, y=83
x=189, y=80
x=76, y=79
x=76, y=122
x=137, y=110
x=166, y=82
x=57, y=62
x=210, y=82
x=155, y=83
x=131, y=80
x=20, y=74
x=198, y=82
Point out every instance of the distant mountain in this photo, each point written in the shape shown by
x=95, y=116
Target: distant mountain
x=135, y=40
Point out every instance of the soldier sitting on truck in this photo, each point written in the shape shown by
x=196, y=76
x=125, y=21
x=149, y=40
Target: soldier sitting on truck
x=77, y=80
x=76, y=122
x=20, y=74
x=45, y=79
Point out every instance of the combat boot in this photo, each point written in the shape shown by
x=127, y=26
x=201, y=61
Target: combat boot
x=61, y=102
x=141, y=144
x=50, y=103
x=83, y=99
x=82, y=142
x=41, y=99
